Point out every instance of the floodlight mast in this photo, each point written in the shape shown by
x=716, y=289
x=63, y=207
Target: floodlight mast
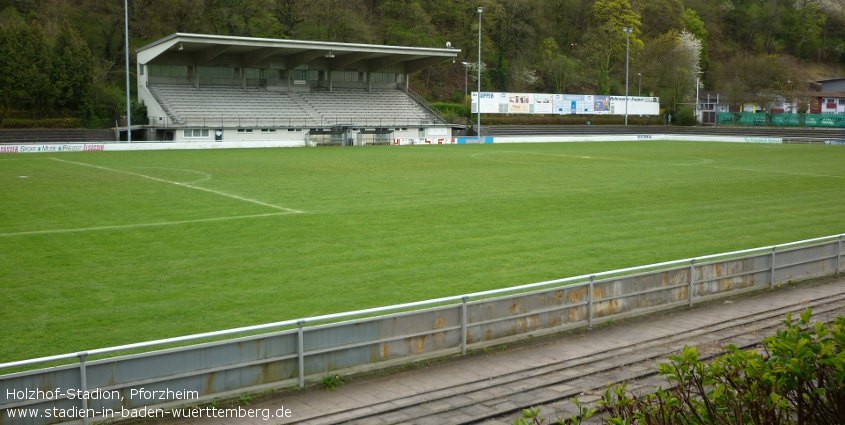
x=628, y=31
x=478, y=100
x=128, y=92
x=466, y=79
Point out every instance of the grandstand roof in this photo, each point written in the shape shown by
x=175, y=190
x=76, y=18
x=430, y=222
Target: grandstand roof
x=245, y=52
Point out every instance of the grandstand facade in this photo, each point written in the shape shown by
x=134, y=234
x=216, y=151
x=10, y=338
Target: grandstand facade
x=200, y=88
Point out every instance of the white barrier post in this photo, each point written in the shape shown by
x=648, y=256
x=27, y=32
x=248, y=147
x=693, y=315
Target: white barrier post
x=691, y=279
x=464, y=325
x=300, y=348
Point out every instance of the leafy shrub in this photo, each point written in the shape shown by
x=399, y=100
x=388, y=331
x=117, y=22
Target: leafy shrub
x=684, y=116
x=41, y=123
x=797, y=378
x=453, y=110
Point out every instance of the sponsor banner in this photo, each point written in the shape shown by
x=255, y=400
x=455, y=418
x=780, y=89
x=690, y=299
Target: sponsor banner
x=763, y=140
x=835, y=142
x=144, y=146
x=489, y=102
x=573, y=104
x=65, y=147
x=427, y=141
x=651, y=137
x=601, y=105
x=543, y=104
x=519, y=103
x=472, y=140
x=563, y=104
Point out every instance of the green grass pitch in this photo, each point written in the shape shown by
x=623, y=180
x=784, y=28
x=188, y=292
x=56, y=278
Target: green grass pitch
x=109, y=248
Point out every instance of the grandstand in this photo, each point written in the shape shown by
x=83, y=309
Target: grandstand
x=204, y=88
x=230, y=106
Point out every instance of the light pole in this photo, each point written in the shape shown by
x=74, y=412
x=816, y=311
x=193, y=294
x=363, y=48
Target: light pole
x=627, y=31
x=480, y=138
x=128, y=93
x=697, y=86
x=466, y=79
x=640, y=85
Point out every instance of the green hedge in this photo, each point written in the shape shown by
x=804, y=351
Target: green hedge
x=42, y=123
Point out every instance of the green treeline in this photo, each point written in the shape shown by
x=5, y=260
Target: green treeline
x=64, y=58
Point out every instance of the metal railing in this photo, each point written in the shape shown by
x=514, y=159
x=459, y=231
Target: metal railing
x=428, y=106
x=287, y=122
x=308, y=348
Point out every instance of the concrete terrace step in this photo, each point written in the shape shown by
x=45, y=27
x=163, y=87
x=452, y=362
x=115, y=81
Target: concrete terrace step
x=743, y=131
x=55, y=135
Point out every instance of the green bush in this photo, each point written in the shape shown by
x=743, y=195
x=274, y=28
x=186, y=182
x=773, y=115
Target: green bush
x=41, y=123
x=684, y=116
x=453, y=110
x=797, y=378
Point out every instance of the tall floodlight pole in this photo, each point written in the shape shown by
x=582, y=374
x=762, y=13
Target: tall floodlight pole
x=466, y=79
x=627, y=31
x=480, y=138
x=697, y=85
x=128, y=93
x=640, y=85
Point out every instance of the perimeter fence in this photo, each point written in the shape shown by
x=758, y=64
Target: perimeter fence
x=199, y=368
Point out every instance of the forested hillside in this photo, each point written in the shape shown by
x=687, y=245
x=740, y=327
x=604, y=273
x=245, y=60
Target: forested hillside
x=64, y=58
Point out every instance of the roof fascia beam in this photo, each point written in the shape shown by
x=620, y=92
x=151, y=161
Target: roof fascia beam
x=254, y=58
x=384, y=62
x=346, y=60
x=210, y=54
x=298, y=59
x=418, y=64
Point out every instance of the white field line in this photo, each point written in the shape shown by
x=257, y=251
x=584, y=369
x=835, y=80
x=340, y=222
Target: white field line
x=134, y=226
x=699, y=161
x=205, y=176
x=791, y=173
x=190, y=186
x=702, y=162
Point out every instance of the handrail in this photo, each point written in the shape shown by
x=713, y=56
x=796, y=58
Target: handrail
x=457, y=298
x=173, y=117
x=428, y=106
x=300, y=122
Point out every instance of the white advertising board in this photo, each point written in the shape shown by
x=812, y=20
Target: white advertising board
x=563, y=104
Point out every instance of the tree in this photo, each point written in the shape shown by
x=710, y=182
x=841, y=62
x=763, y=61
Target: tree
x=512, y=27
x=336, y=20
x=71, y=71
x=289, y=14
x=750, y=79
x=756, y=24
x=561, y=74
x=606, y=43
x=660, y=16
x=804, y=27
x=403, y=23
x=25, y=66
x=671, y=65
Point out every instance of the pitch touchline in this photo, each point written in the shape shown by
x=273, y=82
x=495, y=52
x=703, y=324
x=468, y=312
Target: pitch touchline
x=775, y=172
x=132, y=226
x=228, y=195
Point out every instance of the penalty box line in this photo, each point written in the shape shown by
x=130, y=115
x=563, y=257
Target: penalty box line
x=140, y=225
x=216, y=192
